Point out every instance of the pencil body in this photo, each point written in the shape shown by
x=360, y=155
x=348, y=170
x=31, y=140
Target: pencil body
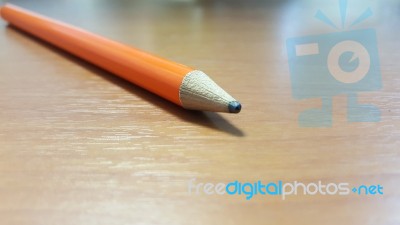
x=160, y=76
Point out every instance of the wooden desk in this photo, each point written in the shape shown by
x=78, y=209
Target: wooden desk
x=80, y=146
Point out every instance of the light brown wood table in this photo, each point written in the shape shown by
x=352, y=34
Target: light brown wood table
x=80, y=146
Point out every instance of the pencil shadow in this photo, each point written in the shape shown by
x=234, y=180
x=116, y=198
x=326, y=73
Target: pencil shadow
x=206, y=119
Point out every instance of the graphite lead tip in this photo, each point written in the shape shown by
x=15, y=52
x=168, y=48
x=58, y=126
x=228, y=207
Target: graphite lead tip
x=234, y=107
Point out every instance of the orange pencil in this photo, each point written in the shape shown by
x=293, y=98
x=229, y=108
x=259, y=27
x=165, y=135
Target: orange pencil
x=182, y=85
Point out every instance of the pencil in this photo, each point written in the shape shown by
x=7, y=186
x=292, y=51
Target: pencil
x=192, y=89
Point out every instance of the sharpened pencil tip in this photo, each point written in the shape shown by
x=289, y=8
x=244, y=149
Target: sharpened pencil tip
x=234, y=107
x=199, y=92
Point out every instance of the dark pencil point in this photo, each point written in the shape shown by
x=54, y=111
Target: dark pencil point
x=234, y=107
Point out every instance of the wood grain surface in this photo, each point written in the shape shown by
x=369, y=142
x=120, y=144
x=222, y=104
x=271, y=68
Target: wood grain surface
x=80, y=146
